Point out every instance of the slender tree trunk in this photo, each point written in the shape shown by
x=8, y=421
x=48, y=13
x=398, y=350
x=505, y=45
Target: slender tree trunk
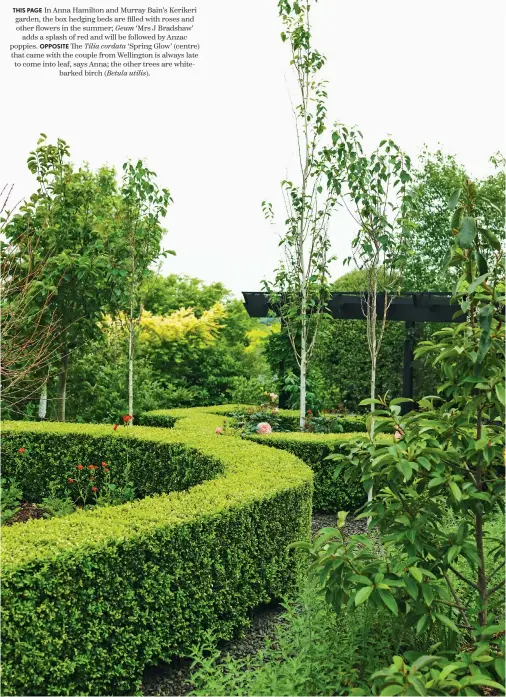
x=62, y=385
x=131, y=367
x=478, y=533
x=43, y=401
x=303, y=337
x=303, y=371
x=373, y=352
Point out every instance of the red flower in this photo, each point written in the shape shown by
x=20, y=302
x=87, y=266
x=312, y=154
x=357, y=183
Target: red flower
x=104, y=464
x=94, y=488
x=127, y=418
x=106, y=469
x=21, y=450
x=93, y=467
x=70, y=480
x=80, y=467
x=309, y=412
x=115, y=426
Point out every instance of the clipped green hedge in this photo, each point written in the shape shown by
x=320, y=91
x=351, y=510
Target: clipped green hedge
x=288, y=418
x=51, y=454
x=91, y=598
x=157, y=418
x=330, y=495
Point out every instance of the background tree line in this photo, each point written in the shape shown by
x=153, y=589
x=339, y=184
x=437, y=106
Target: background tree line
x=83, y=301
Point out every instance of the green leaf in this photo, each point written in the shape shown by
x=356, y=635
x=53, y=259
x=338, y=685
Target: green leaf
x=447, y=622
x=422, y=623
x=392, y=690
x=499, y=667
x=435, y=482
x=454, y=199
x=389, y=601
x=477, y=281
x=416, y=573
x=428, y=593
x=363, y=594
x=405, y=467
x=411, y=587
x=486, y=682
x=447, y=670
x=499, y=390
x=457, y=494
x=467, y=232
x=491, y=239
x=424, y=661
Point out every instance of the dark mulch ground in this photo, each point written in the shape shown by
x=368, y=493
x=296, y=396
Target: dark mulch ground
x=26, y=512
x=173, y=678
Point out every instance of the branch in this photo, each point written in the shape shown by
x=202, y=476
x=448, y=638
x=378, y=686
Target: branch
x=463, y=578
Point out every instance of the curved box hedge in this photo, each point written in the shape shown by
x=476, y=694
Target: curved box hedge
x=330, y=494
x=288, y=418
x=91, y=598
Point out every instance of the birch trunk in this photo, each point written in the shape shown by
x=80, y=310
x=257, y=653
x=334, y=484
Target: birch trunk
x=62, y=386
x=373, y=351
x=131, y=367
x=303, y=371
x=43, y=402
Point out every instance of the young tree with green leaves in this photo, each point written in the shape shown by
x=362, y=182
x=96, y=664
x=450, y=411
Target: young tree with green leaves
x=73, y=217
x=144, y=204
x=300, y=289
x=440, y=493
x=375, y=193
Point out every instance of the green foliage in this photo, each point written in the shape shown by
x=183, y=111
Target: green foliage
x=286, y=419
x=330, y=493
x=166, y=294
x=343, y=365
x=300, y=289
x=449, y=456
x=173, y=366
x=245, y=390
x=142, y=582
x=56, y=504
x=73, y=217
x=10, y=498
x=52, y=454
x=314, y=652
x=435, y=179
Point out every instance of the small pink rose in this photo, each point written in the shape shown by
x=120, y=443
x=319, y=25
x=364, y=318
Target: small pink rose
x=219, y=430
x=264, y=427
x=398, y=433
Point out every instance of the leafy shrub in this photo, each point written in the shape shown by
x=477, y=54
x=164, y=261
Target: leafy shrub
x=449, y=456
x=10, y=498
x=108, y=591
x=288, y=419
x=56, y=506
x=158, y=417
x=314, y=652
x=249, y=390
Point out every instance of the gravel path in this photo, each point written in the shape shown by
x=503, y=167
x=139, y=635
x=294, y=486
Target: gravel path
x=170, y=679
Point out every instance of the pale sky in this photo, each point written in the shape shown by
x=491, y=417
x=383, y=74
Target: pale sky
x=222, y=141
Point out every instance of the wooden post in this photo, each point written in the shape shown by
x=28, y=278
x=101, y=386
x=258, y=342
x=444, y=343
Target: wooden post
x=407, y=376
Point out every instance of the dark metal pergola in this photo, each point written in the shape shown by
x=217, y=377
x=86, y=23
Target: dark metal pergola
x=409, y=308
